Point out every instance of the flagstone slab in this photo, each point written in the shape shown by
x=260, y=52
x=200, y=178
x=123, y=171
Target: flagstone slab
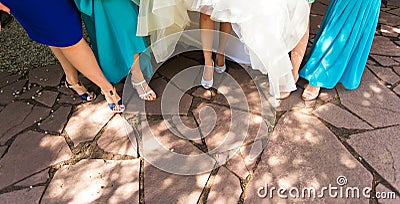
x=30, y=93
x=118, y=138
x=40, y=152
x=9, y=79
x=202, y=93
x=386, y=74
x=95, y=181
x=136, y=105
x=30, y=195
x=328, y=94
x=303, y=153
x=383, y=46
x=380, y=149
x=10, y=92
x=389, y=19
x=71, y=99
x=46, y=76
x=372, y=101
x=47, y=98
x=339, y=117
x=57, y=120
x=386, y=196
x=2, y=150
x=389, y=31
x=243, y=163
x=176, y=65
x=171, y=188
x=294, y=102
x=226, y=188
x=397, y=90
x=397, y=69
x=385, y=61
x=37, y=178
x=88, y=120
x=19, y=116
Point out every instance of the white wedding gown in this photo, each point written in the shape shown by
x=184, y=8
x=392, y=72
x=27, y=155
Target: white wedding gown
x=269, y=29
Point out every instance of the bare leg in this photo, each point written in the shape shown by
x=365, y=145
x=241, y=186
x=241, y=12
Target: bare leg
x=81, y=56
x=137, y=77
x=207, y=37
x=226, y=29
x=298, y=52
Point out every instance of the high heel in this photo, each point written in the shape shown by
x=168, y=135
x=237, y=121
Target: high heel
x=204, y=83
x=145, y=93
x=114, y=107
x=86, y=96
x=220, y=69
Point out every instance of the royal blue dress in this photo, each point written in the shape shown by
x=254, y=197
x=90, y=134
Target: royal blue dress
x=50, y=22
x=112, y=29
x=341, y=48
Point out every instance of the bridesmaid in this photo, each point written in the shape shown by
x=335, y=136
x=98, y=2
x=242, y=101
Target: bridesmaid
x=58, y=25
x=341, y=48
x=112, y=27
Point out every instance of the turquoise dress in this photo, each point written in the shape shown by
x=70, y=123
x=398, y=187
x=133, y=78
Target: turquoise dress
x=111, y=25
x=341, y=48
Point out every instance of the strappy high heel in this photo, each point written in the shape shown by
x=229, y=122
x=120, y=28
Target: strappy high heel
x=207, y=84
x=86, y=96
x=114, y=107
x=144, y=92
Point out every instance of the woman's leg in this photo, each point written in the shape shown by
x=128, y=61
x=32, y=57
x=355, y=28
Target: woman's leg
x=140, y=84
x=226, y=29
x=207, y=37
x=81, y=56
x=298, y=52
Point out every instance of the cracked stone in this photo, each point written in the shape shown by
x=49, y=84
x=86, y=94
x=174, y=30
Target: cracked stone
x=380, y=149
x=226, y=188
x=388, y=19
x=8, y=93
x=70, y=99
x=383, y=46
x=19, y=117
x=47, y=98
x=386, y=195
x=302, y=152
x=389, y=31
x=28, y=94
x=372, y=101
x=133, y=104
x=386, y=74
x=172, y=188
x=88, y=120
x=119, y=138
x=95, y=181
x=46, y=76
x=57, y=120
x=397, y=90
x=9, y=80
x=397, y=69
x=202, y=93
x=173, y=67
x=40, y=152
x=385, y=61
x=31, y=195
x=2, y=150
x=244, y=162
x=339, y=117
x=38, y=178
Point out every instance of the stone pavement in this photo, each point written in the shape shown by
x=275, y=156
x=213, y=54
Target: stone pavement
x=56, y=149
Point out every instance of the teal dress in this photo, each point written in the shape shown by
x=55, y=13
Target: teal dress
x=111, y=25
x=341, y=48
